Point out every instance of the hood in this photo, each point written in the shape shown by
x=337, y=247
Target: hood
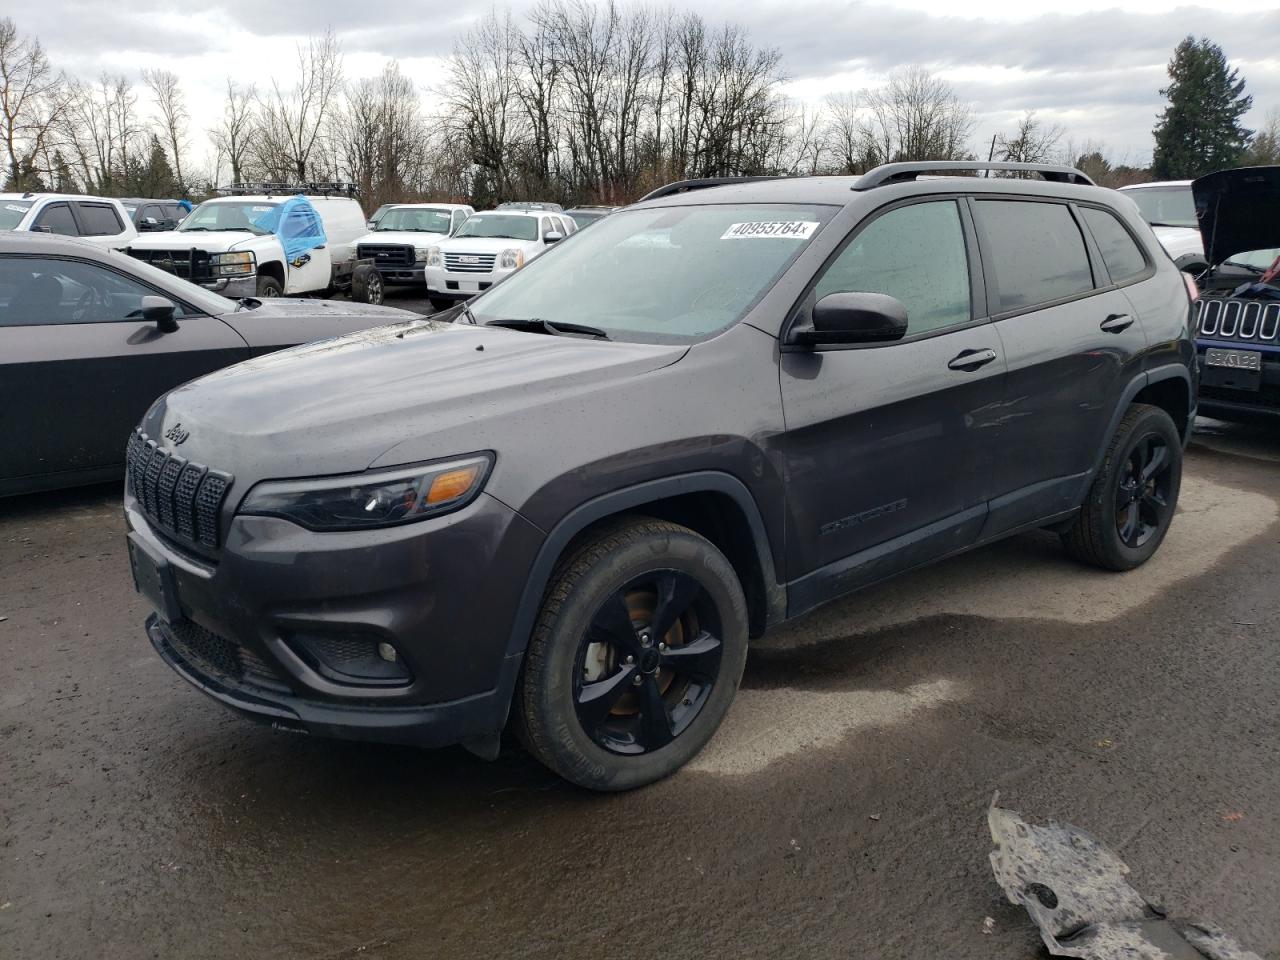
x=485, y=244
x=337, y=405
x=1238, y=210
x=216, y=241
x=410, y=238
x=280, y=320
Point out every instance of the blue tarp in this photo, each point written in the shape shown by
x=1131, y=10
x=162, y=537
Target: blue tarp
x=297, y=225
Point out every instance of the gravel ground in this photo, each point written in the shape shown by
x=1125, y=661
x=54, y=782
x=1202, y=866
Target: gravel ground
x=839, y=812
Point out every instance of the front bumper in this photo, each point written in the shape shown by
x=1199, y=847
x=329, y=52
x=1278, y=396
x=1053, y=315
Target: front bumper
x=235, y=289
x=1229, y=393
x=461, y=286
x=443, y=592
x=401, y=274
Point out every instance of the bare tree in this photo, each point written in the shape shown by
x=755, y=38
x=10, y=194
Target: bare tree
x=1264, y=148
x=32, y=103
x=1033, y=141
x=173, y=116
x=379, y=137
x=914, y=116
x=232, y=135
x=292, y=120
x=103, y=131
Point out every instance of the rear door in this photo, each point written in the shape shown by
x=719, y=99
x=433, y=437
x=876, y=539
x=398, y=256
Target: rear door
x=889, y=445
x=101, y=223
x=79, y=366
x=1071, y=340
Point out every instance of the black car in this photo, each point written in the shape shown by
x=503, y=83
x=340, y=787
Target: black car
x=711, y=412
x=585, y=216
x=1238, y=318
x=90, y=337
x=154, y=215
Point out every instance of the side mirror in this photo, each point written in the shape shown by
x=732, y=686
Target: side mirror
x=371, y=224
x=855, y=318
x=553, y=237
x=160, y=311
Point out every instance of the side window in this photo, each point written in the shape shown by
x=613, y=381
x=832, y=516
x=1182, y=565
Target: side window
x=566, y=225
x=458, y=217
x=1037, y=250
x=99, y=219
x=56, y=218
x=914, y=253
x=1120, y=252
x=547, y=227
x=36, y=291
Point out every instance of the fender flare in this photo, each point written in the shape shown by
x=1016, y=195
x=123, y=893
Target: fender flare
x=1135, y=386
x=629, y=498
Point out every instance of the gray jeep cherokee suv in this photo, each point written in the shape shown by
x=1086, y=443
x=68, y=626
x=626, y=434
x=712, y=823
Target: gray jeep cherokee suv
x=715, y=410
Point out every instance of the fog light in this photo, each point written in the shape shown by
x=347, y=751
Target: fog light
x=387, y=652
x=356, y=658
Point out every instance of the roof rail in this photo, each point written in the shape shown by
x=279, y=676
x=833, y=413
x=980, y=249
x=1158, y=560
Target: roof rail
x=898, y=172
x=684, y=186
x=270, y=189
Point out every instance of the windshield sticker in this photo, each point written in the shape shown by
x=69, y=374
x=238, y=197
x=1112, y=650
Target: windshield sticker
x=260, y=209
x=766, y=229
x=16, y=208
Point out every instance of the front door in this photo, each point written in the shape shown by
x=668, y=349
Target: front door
x=888, y=445
x=79, y=366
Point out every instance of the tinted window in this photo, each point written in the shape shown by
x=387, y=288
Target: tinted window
x=99, y=220
x=38, y=291
x=1037, y=251
x=916, y=254
x=56, y=218
x=1119, y=250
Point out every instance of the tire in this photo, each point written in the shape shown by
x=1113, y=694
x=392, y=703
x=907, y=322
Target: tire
x=579, y=708
x=367, y=285
x=440, y=304
x=269, y=287
x=1125, y=517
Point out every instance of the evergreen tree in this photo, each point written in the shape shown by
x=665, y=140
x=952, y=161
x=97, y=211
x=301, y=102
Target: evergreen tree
x=1199, y=131
x=64, y=181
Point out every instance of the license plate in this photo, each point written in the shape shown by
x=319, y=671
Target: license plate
x=1234, y=359
x=153, y=579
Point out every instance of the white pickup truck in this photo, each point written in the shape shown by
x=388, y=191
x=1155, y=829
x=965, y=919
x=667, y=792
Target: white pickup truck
x=223, y=246
x=99, y=220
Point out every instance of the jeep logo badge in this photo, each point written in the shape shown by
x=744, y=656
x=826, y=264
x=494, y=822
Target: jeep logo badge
x=177, y=434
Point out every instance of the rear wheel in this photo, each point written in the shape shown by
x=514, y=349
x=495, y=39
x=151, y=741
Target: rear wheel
x=635, y=658
x=367, y=285
x=269, y=287
x=1133, y=498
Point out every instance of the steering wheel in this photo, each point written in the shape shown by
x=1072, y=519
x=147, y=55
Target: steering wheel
x=86, y=305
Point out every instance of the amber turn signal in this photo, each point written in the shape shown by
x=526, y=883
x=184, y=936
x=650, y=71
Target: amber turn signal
x=454, y=484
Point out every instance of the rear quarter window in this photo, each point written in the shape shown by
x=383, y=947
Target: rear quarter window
x=1037, y=252
x=1120, y=252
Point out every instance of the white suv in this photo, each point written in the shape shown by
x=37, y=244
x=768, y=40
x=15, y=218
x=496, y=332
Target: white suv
x=399, y=242
x=486, y=248
x=223, y=246
x=100, y=220
x=1171, y=210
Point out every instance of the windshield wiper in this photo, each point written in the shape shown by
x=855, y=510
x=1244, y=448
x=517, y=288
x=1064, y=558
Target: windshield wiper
x=535, y=325
x=1243, y=266
x=1179, y=226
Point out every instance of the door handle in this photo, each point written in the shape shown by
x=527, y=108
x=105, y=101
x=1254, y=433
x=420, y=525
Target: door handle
x=972, y=359
x=1117, y=322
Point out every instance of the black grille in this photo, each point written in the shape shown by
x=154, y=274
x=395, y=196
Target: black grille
x=188, y=264
x=181, y=499
x=386, y=254
x=1249, y=321
x=222, y=659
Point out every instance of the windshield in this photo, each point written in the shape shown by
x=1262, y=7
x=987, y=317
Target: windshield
x=415, y=219
x=227, y=215
x=584, y=217
x=1166, y=206
x=666, y=275
x=11, y=214
x=1258, y=259
x=511, y=226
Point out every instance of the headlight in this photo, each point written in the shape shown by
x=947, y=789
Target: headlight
x=365, y=501
x=422, y=253
x=432, y=256
x=511, y=259
x=234, y=264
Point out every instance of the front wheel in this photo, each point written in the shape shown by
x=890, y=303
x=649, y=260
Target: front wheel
x=269, y=287
x=637, y=653
x=1133, y=498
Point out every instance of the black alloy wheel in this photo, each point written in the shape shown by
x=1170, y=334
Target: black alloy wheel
x=1142, y=493
x=647, y=663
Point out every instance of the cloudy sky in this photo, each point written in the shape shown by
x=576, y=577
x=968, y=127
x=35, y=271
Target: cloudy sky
x=1093, y=66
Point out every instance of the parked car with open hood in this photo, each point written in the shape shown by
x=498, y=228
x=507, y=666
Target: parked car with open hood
x=1238, y=313
x=709, y=413
x=245, y=244
x=398, y=245
x=487, y=247
x=102, y=221
x=1170, y=209
x=90, y=337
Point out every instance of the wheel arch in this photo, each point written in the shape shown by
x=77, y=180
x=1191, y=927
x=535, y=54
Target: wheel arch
x=714, y=505
x=273, y=269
